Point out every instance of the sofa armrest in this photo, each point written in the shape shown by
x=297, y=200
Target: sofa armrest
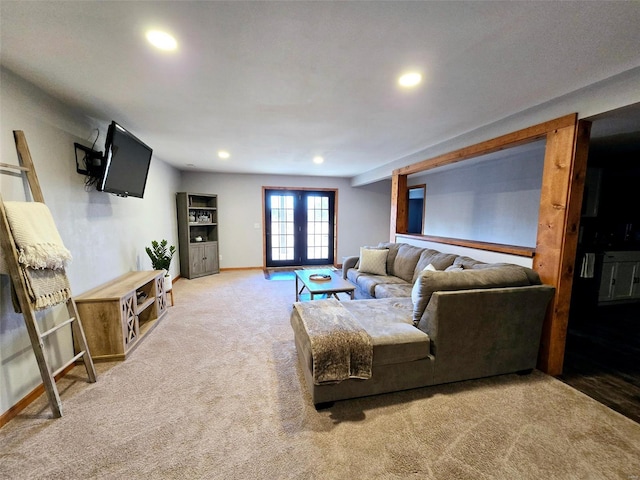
x=479, y=333
x=347, y=263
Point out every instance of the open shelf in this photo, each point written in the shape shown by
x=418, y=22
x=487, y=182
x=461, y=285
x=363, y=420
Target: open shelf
x=202, y=200
x=141, y=307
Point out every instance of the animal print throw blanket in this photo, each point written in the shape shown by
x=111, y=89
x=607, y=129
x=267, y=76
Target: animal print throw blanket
x=340, y=347
x=41, y=254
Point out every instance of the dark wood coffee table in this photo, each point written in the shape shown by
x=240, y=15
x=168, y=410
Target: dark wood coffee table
x=331, y=287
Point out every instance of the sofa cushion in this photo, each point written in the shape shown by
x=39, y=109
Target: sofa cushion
x=429, y=282
x=432, y=257
x=352, y=275
x=393, y=252
x=373, y=261
x=405, y=262
x=388, y=322
x=454, y=268
x=392, y=290
x=468, y=262
x=367, y=282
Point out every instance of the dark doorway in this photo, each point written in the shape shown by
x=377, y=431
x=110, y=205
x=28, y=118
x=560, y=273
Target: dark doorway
x=603, y=337
x=416, y=208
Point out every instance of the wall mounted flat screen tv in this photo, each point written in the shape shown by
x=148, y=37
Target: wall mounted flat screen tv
x=126, y=163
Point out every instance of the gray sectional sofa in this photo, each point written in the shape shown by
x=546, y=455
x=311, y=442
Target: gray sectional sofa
x=431, y=318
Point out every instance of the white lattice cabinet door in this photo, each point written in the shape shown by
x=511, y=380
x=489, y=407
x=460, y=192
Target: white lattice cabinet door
x=129, y=320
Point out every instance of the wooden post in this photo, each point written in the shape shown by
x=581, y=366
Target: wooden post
x=565, y=166
x=399, y=206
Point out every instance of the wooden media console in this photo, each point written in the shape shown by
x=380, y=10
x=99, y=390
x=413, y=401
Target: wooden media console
x=117, y=315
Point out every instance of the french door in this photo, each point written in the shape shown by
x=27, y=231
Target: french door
x=299, y=227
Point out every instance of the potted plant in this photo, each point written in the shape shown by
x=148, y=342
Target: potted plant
x=161, y=256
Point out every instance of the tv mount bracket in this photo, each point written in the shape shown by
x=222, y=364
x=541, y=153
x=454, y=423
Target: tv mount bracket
x=92, y=160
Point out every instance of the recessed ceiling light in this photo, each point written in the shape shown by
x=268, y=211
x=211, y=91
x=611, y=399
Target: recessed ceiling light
x=410, y=79
x=162, y=40
x=318, y=159
x=223, y=154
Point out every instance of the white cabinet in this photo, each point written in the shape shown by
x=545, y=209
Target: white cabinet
x=620, y=278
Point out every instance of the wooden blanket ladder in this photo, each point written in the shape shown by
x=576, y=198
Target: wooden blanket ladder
x=37, y=338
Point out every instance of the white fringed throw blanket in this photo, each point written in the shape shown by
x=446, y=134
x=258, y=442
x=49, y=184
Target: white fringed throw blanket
x=41, y=253
x=340, y=347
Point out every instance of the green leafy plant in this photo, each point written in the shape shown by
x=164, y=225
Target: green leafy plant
x=160, y=255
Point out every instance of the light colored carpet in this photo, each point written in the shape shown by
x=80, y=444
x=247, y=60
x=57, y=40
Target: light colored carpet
x=215, y=393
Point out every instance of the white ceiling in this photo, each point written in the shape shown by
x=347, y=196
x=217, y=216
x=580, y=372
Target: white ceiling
x=276, y=83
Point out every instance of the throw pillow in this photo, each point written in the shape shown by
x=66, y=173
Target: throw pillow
x=415, y=294
x=373, y=261
x=454, y=268
x=415, y=291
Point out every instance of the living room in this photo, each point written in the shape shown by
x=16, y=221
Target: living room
x=107, y=234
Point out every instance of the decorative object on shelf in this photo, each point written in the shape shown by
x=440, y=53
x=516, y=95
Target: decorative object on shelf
x=161, y=259
x=320, y=277
x=141, y=297
x=192, y=217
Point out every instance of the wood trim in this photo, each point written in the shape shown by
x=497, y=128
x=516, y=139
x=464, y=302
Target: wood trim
x=28, y=399
x=491, y=247
x=335, y=226
x=264, y=227
x=509, y=140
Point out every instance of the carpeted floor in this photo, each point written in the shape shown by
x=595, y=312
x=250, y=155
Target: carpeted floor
x=215, y=392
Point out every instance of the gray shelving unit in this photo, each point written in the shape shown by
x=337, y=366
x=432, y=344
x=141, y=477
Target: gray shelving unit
x=198, y=234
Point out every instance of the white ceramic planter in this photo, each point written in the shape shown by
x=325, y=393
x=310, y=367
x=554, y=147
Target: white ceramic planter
x=168, y=282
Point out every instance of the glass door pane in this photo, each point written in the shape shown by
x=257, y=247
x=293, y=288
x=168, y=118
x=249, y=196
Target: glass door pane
x=282, y=227
x=318, y=228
